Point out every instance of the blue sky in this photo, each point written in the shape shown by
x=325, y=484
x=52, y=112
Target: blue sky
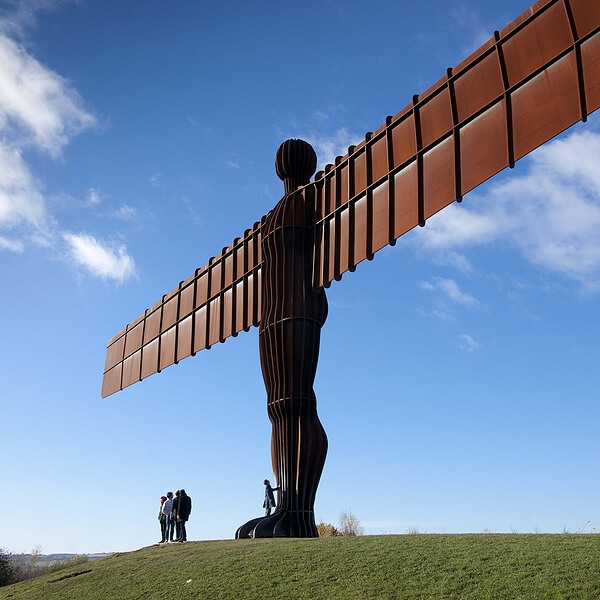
x=458, y=376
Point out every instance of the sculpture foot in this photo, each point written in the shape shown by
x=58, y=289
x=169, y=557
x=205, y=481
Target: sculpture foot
x=282, y=523
x=245, y=531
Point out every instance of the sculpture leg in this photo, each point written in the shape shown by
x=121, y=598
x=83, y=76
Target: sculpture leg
x=289, y=353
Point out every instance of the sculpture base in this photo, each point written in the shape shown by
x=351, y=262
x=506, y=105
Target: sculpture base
x=282, y=523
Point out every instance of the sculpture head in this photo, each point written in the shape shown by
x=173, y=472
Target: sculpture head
x=295, y=163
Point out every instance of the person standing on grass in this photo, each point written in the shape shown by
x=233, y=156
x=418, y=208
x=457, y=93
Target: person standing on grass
x=174, y=514
x=162, y=519
x=184, y=508
x=167, y=510
x=269, y=502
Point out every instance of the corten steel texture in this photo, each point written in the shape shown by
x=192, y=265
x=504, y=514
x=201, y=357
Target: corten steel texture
x=533, y=79
x=293, y=313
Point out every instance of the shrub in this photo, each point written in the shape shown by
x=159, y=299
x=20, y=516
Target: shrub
x=350, y=525
x=6, y=569
x=327, y=530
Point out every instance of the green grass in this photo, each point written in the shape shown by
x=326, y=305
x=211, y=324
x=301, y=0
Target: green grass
x=406, y=566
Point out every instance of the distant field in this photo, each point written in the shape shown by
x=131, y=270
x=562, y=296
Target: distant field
x=418, y=566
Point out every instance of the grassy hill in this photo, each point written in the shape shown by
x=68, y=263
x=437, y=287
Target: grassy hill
x=406, y=566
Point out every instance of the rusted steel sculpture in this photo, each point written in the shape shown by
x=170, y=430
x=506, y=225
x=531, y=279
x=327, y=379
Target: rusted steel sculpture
x=531, y=81
x=292, y=314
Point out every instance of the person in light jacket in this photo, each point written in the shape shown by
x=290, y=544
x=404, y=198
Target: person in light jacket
x=167, y=511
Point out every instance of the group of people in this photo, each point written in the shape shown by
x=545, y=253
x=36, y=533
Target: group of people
x=173, y=515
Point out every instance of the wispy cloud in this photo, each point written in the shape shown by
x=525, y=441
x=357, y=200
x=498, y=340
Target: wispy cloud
x=37, y=106
x=93, y=196
x=467, y=343
x=329, y=146
x=450, y=290
x=41, y=111
x=101, y=259
x=469, y=21
x=18, y=15
x=126, y=212
x=156, y=180
x=551, y=213
x=21, y=202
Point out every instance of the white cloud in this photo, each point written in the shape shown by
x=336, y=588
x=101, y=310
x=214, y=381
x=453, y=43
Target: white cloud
x=551, y=214
x=155, y=180
x=20, y=199
x=37, y=106
x=450, y=289
x=126, y=212
x=455, y=259
x=37, y=109
x=93, y=196
x=13, y=246
x=102, y=260
x=328, y=147
x=467, y=343
x=40, y=110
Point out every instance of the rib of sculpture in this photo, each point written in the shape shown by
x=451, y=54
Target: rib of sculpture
x=531, y=81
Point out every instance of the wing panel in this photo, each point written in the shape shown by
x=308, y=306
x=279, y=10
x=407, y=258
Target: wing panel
x=200, y=328
x=545, y=105
x=479, y=85
x=586, y=14
x=534, y=79
x=167, y=348
x=531, y=47
x=481, y=159
x=358, y=229
x=380, y=234
x=404, y=140
x=590, y=52
x=152, y=325
x=435, y=116
x=114, y=352
x=131, y=369
x=112, y=381
x=439, y=187
x=184, y=338
x=200, y=312
x=150, y=358
x=406, y=192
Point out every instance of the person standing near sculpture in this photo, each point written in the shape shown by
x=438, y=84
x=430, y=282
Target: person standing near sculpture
x=184, y=508
x=174, y=514
x=269, y=502
x=167, y=510
x=162, y=519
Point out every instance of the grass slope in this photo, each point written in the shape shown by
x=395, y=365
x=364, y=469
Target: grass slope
x=405, y=566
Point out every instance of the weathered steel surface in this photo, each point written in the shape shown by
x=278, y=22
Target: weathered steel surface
x=532, y=80
x=293, y=313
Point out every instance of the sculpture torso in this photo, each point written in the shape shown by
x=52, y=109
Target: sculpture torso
x=287, y=247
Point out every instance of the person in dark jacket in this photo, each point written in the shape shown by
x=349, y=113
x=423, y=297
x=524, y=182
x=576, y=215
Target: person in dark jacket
x=184, y=508
x=174, y=513
x=269, y=502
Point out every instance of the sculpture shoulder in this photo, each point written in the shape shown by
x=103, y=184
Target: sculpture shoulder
x=293, y=210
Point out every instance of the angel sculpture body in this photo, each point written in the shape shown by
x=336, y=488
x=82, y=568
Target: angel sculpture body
x=292, y=315
x=532, y=80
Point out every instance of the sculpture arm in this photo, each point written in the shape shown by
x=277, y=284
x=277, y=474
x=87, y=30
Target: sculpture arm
x=532, y=80
x=217, y=301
